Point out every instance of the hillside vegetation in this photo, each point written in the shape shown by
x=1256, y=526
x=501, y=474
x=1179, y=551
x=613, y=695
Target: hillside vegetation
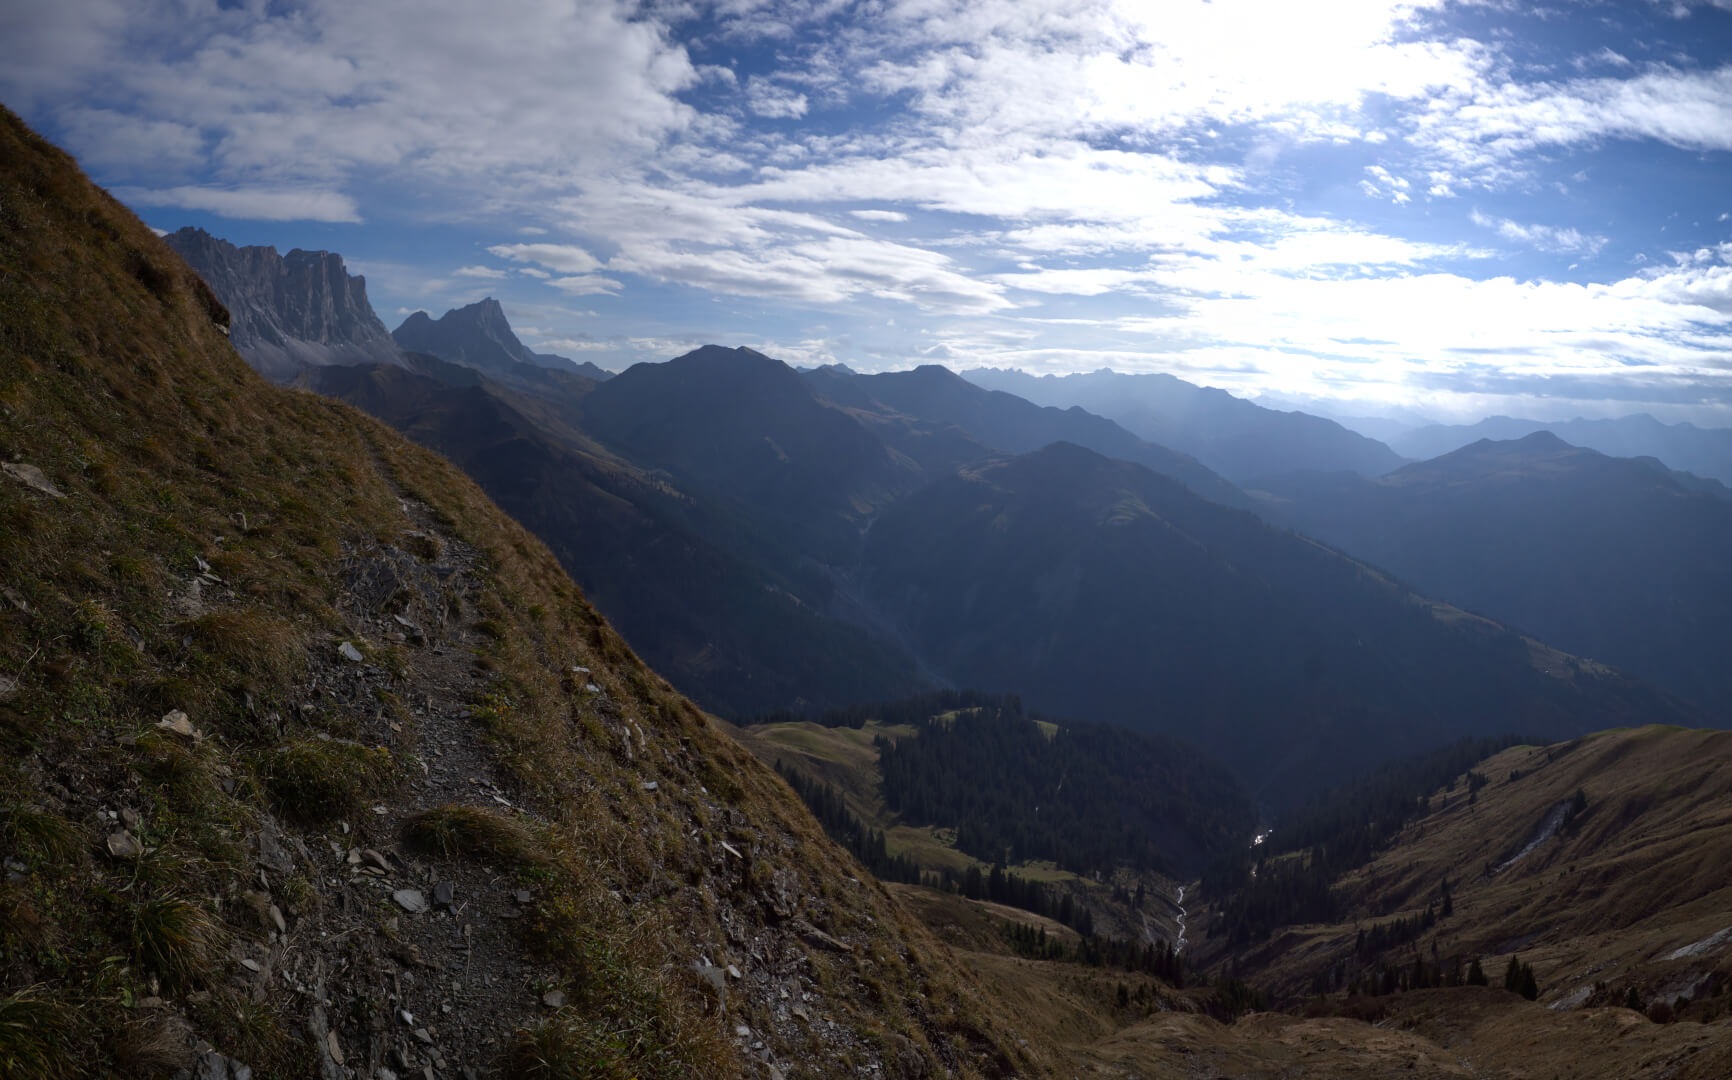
x=313, y=757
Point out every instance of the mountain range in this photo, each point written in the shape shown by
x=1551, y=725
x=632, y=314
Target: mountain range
x=290, y=313
x=777, y=540
x=1705, y=452
x=1237, y=438
x=1617, y=559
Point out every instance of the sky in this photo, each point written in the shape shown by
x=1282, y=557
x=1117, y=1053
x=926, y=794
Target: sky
x=1366, y=205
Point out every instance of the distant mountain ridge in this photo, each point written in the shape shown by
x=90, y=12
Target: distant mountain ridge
x=1005, y=421
x=289, y=312
x=1099, y=586
x=1685, y=447
x=1612, y=558
x=1234, y=437
x=478, y=335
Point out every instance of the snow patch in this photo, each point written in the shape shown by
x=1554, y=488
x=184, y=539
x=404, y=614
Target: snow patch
x=1548, y=829
x=1712, y=941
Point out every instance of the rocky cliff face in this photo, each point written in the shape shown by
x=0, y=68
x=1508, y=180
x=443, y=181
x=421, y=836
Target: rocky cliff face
x=290, y=312
x=479, y=336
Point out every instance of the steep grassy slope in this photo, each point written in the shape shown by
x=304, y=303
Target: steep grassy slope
x=1630, y=892
x=312, y=754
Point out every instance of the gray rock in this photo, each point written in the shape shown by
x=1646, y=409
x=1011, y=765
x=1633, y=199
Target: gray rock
x=375, y=858
x=273, y=853
x=32, y=477
x=348, y=652
x=554, y=999
x=444, y=894
x=123, y=845
x=8, y=687
x=277, y=920
x=410, y=900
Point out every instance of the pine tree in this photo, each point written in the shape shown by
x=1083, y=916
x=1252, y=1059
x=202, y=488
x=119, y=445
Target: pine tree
x=1476, y=974
x=1529, y=987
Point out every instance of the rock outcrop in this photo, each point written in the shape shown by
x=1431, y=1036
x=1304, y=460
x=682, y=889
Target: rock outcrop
x=289, y=312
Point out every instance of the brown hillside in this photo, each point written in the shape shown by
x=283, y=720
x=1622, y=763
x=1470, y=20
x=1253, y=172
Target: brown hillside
x=315, y=760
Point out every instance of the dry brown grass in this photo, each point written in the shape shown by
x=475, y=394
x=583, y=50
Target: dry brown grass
x=115, y=382
x=456, y=832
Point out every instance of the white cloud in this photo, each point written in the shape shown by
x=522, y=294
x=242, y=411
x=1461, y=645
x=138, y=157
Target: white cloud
x=766, y=98
x=1380, y=183
x=585, y=284
x=1481, y=126
x=250, y=204
x=1552, y=238
x=489, y=272
x=879, y=215
x=564, y=257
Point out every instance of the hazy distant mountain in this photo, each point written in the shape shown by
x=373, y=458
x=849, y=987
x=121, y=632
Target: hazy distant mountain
x=288, y=312
x=1007, y=422
x=1234, y=437
x=1604, y=557
x=1121, y=595
x=652, y=558
x=1703, y=451
x=479, y=336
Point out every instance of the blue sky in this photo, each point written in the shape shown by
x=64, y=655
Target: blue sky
x=1463, y=208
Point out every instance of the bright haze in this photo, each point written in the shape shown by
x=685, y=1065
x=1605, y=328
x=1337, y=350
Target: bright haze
x=1467, y=209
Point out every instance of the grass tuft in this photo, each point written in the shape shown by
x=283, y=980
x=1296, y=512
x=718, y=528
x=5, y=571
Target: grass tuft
x=153, y=1046
x=45, y=835
x=567, y=1047
x=320, y=779
x=454, y=831
x=33, y=1033
x=178, y=939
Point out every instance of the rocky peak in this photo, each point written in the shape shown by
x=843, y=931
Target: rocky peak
x=479, y=335
x=288, y=312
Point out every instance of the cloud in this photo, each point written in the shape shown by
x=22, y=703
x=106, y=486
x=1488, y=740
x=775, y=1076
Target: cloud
x=585, y=284
x=1380, y=183
x=250, y=204
x=1486, y=124
x=1548, y=238
x=766, y=98
x=488, y=272
x=563, y=257
x=328, y=90
x=879, y=215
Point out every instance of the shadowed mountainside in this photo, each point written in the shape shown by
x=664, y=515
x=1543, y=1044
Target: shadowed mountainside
x=1008, y=423
x=1609, y=558
x=1099, y=587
